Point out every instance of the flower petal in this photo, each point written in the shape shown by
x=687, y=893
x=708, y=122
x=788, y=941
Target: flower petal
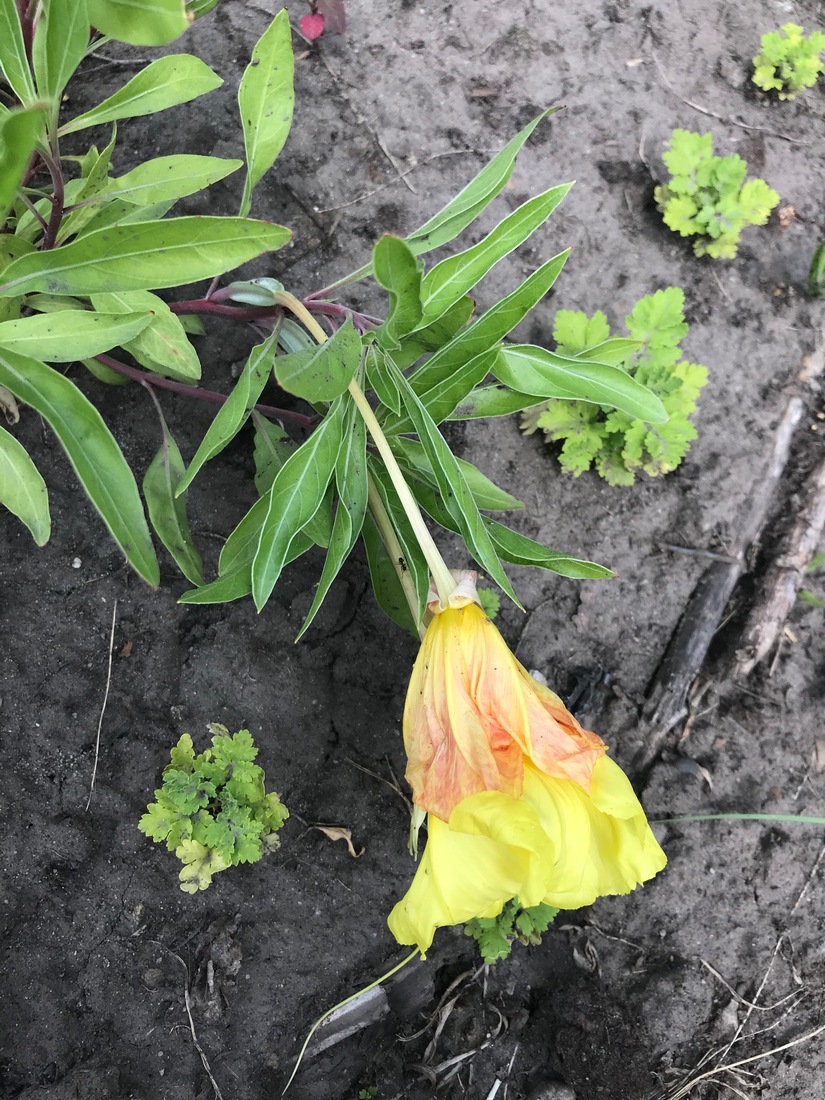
x=460, y=876
x=599, y=853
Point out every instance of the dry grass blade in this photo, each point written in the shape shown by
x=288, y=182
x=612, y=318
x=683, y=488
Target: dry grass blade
x=103, y=708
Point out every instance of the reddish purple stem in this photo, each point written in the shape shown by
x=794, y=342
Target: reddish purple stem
x=206, y=395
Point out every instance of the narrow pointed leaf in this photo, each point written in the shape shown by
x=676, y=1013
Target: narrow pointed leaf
x=234, y=413
x=163, y=345
x=140, y=22
x=521, y=550
x=144, y=256
x=452, y=278
x=273, y=447
x=454, y=489
x=491, y=327
x=492, y=400
x=535, y=370
x=293, y=500
x=399, y=273
x=14, y=64
x=164, y=83
x=486, y=493
x=351, y=485
x=167, y=509
x=70, y=335
x=166, y=179
x=413, y=561
x=479, y=192
x=443, y=397
x=22, y=489
x=18, y=134
x=380, y=381
x=92, y=450
x=322, y=372
x=266, y=99
x=385, y=583
x=60, y=42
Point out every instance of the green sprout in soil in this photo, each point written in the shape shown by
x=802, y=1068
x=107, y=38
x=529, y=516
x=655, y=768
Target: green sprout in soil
x=212, y=809
x=707, y=196
x=495, y=935
x=816, y=277
x=490, y=601
x=617, y=444
x=788, y=61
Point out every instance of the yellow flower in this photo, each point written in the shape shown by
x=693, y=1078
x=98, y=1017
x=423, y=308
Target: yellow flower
x=521, y=800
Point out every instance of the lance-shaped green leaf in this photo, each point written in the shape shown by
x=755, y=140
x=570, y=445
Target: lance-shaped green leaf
x=70, y=335
x=60, y=42
x=167, y=179
x=486, y=493
x=273, y=447
x=14, y=64
x=615, y=351
x=399, y=273
x=492, y=400
x=92, y=450
x=535, y=370
x=322, y=372
x=144, y=256
x=351, y=484
x=491, y=327
x=140, y=22
x=235, y=411
x=162, y=346
x=379, y=380
x=18, y=134
x=479, y=192
x=164, y=83
x=120, y=212
x=435, y=335
x=511, y=546
x=236, y=583
x=385, y=583
x=167, y=507
x=521, y=550
x=266, y=99
x=95, y=178
x=454, y=489
x=413, y=562
x=452, y=278
x=293, y=500
x=22, y=489
x=442, y=398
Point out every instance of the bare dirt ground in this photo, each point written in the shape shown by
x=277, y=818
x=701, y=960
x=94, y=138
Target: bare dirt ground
x=624, y=1000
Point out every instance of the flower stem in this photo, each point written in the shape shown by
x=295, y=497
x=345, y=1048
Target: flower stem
x=442, y=577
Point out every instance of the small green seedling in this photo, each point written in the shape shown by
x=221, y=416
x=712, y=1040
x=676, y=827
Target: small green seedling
x=495, y=935
x=707, y=196
x=212, y=809
x=816, y=277
x=490, y=602
x=788, y=62
x=614, y=442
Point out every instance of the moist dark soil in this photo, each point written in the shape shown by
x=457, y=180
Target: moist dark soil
x=115, y=983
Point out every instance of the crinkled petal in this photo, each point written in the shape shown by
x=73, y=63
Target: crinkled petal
x=459, y=877
x=599, y=853
x=473, y=713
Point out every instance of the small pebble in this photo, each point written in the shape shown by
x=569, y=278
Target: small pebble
x=552, y=1090
x=76, y=563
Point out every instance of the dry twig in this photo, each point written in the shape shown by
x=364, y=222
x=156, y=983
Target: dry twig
x=103, y=708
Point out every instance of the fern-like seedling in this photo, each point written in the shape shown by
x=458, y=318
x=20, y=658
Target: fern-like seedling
x=495, y=935
x=788, y=62
x=707, y=197
x=616, y=444
x=212, y=809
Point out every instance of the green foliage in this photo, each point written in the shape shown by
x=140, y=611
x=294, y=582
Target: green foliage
x=816, y=277
x=617, y=444
x=495, y=935
x=707, y=197
x=212, y=809
x=490, y=602
x=87, y=250
x=788, y=62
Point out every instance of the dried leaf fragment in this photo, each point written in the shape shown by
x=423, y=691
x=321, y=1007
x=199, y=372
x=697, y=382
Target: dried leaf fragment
x=338, y=832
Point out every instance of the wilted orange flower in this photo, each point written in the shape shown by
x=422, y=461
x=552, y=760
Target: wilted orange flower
x=521, y=800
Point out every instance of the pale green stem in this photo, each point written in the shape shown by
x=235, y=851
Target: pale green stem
x=442, y=577
x=346, y=1001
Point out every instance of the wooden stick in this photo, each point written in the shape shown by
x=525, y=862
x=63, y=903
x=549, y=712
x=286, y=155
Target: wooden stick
x=666, y=705
x=783, y=580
